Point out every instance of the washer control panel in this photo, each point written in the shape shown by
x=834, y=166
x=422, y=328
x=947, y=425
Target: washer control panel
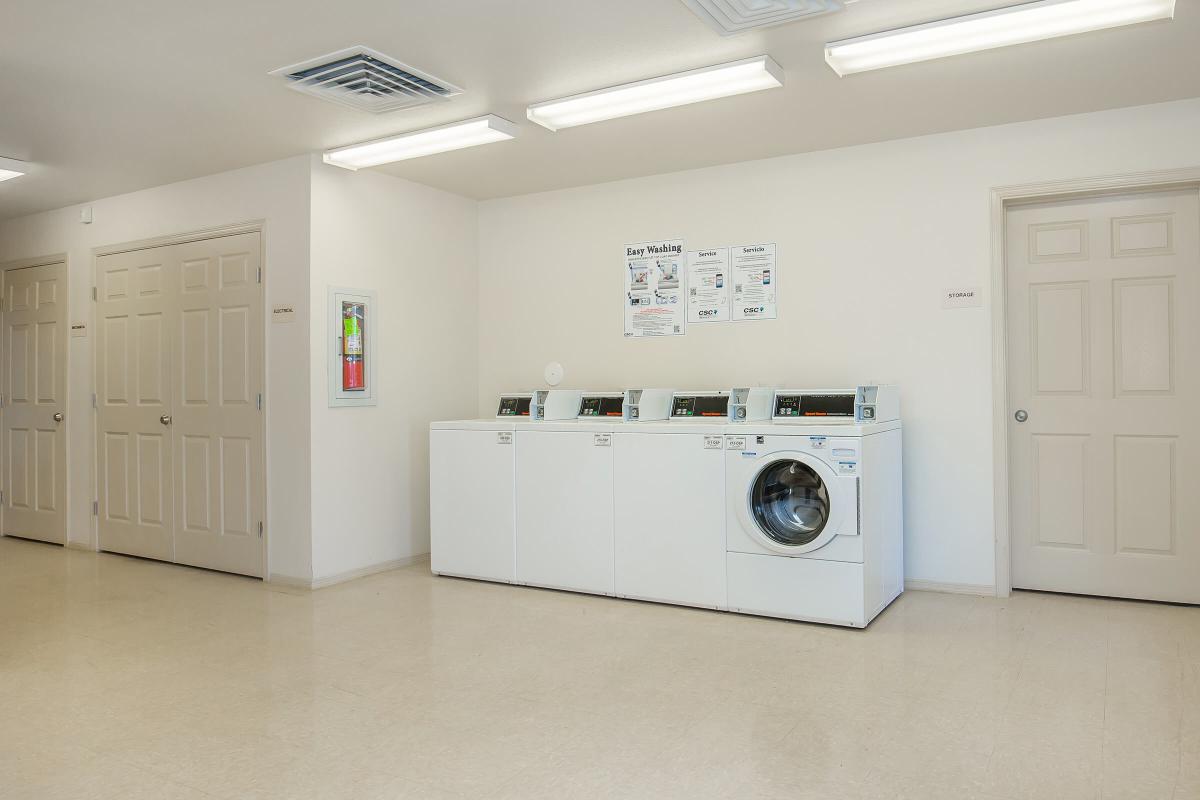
x=602, y=405
x=700, y=405
x=514, y=405
x=807, y=405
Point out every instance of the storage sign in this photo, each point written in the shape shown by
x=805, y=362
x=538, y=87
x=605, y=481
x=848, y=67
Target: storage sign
x=963, y=297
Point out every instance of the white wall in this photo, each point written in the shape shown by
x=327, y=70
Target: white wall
x=416, y=247
x=868, y=238
x=277, y=193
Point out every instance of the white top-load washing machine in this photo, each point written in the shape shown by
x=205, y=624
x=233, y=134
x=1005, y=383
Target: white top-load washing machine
x=472, y=485
x=564, y=480
x=669, y=501
x=815, y=512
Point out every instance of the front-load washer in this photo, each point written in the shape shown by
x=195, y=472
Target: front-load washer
x=814, y=522
x=564, y=497
x=472, y=492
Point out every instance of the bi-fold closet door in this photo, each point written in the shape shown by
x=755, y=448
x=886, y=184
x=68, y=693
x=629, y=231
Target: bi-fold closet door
x=179, y=373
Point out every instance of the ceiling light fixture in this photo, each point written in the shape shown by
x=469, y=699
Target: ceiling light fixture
x=11, y=168
x=1028, y=22
x=707, y=83
x=455, y=136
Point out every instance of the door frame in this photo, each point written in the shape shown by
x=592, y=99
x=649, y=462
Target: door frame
x=258, y=226
x=25, y=263
x=1002, y=199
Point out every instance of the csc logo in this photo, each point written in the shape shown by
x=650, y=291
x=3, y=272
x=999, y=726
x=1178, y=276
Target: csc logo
x=749, y=312
x=709, y=312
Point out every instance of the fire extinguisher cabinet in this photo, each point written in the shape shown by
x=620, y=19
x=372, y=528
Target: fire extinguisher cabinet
x=353, y=329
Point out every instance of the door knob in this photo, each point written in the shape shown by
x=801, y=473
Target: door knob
x=58, y=417
x=1021, y=415
x=165, y=419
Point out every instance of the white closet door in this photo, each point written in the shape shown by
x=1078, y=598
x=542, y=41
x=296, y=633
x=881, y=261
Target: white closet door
x=35, y=355
x=1104, y=321
x=133, y=398
x=217, y=354
x=179, y=380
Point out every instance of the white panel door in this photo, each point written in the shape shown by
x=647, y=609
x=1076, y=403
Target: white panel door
x=669, y=518
x=133, y=398
x=216, y=422
x=1103, y=326
x=472, y=504
x=565, y=510
x=34, y=387
x=179, y=375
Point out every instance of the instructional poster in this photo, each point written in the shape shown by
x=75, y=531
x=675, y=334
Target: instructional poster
x=708, y=285
x=654, y=299
x=754, y=281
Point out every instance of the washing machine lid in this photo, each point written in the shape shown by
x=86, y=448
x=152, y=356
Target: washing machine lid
x=473, y=425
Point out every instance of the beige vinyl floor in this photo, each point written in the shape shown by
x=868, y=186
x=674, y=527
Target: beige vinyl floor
x=122, y=678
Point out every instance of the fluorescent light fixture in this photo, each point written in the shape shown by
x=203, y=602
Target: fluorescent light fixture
x=707, y=83
x=455, y=136
x=11, y=168
x=1028, y=22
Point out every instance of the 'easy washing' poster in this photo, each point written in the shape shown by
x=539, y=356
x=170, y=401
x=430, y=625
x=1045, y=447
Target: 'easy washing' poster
x=654, y=292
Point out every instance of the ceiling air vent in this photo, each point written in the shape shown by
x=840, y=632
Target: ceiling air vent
x=729, y=17
x=361, y=78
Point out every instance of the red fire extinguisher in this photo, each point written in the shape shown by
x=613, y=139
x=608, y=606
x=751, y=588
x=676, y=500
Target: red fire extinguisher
x=353, y=379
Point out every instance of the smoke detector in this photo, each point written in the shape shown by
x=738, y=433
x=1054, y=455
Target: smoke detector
x=362, y=78
x=730, y=17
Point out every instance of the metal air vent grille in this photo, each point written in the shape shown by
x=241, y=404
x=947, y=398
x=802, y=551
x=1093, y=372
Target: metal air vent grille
x=729, y=17
x=362, y=78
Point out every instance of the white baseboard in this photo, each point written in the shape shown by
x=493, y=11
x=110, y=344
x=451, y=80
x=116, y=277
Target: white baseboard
x=343, y=577
x=978, y=589
x=290, y=581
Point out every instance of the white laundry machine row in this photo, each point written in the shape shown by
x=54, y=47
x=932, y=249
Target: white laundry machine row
x=663, y=496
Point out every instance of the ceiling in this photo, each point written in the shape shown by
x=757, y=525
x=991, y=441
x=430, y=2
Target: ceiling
x=112, y=97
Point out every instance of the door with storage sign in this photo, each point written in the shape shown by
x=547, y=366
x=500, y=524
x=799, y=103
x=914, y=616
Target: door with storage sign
x=1104, y=382
x=179, y=380
x=34, y=407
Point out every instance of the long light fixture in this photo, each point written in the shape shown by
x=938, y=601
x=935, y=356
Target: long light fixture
x=707, y=83
x=1028, y=22
x=455, y=136
x=11, y=168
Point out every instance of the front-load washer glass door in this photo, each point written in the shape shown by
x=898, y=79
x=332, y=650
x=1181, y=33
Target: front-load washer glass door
x=790, y=502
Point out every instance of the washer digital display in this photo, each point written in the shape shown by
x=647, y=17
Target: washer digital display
x=514, y=407
x=610, y=406
x=814, y=405
x=700, y=406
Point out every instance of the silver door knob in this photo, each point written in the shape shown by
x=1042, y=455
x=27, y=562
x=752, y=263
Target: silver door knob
x=1021, y=415
x=58, y=417
x=165, y=419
